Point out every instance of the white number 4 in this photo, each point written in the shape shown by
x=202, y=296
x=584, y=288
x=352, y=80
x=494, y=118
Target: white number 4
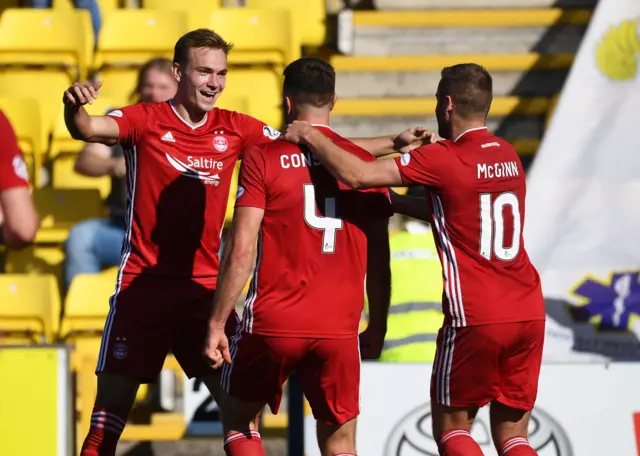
x=492, y=226
x=329, y=224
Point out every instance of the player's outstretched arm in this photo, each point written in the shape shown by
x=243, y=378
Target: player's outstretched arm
x=411, y=206
x=343, y=165
x=82, y=126
x=406, y=141
x=378, y=289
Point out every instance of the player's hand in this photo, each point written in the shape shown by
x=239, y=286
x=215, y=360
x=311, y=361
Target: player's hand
x=80, y=94
x=217, y=349
x=371, y=343
x=413, y=138
x=296, y=131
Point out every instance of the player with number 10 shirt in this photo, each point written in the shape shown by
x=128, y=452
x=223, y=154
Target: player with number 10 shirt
x=490, y=345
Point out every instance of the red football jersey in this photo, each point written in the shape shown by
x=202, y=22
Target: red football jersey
x=312, y=248
x=13, y=169
x=477, y=191
x=178, y=180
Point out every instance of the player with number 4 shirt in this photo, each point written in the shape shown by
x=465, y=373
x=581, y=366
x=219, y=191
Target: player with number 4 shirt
x=490, y=346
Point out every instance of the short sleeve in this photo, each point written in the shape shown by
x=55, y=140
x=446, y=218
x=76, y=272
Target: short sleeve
x=252, y=190
x=255, y=132
x=424, y=166
x=13, y=169
x=133, y=123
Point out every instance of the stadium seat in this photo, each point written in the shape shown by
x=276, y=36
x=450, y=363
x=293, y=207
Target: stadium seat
x=59, y=210
x=64, y=176
x=36, y=259
x=231, y=103
x=119, y=84
x=19, y=82
x=259, y=36
x=186, y=6
x=308, y=17
x=47, y=37
x=29, y=308
x=61, y=141
x=87, y=304
x=131, y=37
x=26, y=119
x=262, y=87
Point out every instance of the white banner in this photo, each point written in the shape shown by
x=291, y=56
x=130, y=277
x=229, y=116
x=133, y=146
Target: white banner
x=582, y=410
x=583, y=218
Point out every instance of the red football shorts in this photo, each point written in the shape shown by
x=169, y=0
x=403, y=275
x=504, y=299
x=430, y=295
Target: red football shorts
x=479, y=364
x=328, y=369
x=149, y=317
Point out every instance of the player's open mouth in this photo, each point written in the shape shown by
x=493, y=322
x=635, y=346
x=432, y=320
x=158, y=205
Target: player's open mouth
x=208, y=95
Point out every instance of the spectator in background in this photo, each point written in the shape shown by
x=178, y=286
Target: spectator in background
x=95, y=244
x=18, y=216
x=90, y=5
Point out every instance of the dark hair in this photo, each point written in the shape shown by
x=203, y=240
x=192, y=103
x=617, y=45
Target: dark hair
x=200, y=38
x=160, y=64
x=310, y=81
x=470, y=87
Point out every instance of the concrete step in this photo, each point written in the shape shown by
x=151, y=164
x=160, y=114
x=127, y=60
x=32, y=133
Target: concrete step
x=407, y=76
x=471, y=32
x=381, y=107
x=523, y=131
x=478, y=4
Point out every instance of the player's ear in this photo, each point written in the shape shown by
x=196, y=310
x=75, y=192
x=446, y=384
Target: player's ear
x=333, y=102
x=176, y=70
x=449, y=103
x=288, y=105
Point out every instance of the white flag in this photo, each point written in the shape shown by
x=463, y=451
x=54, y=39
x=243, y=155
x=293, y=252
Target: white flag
x=583, y=204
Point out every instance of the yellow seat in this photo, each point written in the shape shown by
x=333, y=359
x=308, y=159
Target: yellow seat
x=263, y=87
x=20, y=82
x=61, y=141
x=64, y=176
x=29, y=308
x=132, y=37
x=59, y=210
x=309, y=17
x=119, y=84
x=36, y=259
x=47, y=37
x=265, y=36
x=190, y=5
x=26, y=119
x=87, y=304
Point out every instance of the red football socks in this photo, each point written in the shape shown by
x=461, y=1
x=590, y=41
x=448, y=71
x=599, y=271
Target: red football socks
x=244, y=444
x=104, y=433
x=458, y=443
x=517, y=446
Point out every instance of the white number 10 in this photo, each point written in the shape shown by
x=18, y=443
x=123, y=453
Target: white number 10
x=492, y=226
x=329, y=224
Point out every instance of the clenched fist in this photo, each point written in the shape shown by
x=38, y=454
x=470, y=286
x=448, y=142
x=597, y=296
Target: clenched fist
x=80, y=94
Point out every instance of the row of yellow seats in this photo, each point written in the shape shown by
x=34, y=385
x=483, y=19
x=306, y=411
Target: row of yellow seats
x=64, y=37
